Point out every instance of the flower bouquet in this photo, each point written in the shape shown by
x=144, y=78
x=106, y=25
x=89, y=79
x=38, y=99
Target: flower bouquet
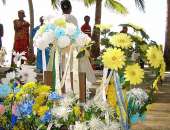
x=121, y=57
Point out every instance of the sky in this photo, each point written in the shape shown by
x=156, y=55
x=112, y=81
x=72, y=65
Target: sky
x=153, y=20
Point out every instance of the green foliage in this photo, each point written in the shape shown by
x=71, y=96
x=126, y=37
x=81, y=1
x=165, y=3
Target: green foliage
x=117, y=6
x=55, y=3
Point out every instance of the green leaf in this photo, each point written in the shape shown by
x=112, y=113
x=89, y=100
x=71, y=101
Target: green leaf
x=117, y=6
x=55, y=3
x=80, y=54
x=89, y=2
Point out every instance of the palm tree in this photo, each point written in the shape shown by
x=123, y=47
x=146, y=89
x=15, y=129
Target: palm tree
x=31, y=10
x=113, y=4
x=167, y=39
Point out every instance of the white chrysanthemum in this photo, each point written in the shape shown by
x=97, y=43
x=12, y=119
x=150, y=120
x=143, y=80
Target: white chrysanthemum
x=80, y=126
x=96, y=124
x=9, y=76
x=68, y=100
x=27, y=74
x=61, y=112
x=18, y=57
x=112, y=126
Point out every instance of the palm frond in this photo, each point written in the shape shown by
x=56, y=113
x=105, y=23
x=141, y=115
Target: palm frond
x=117, y=6
x=89, y=2
x=55, y=3
x=140, y=4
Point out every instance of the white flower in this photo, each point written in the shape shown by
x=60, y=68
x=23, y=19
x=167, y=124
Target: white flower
x=9, y=76
x=61, y=112
x=18, y=57
x=83, y=40
x=138, y=95
x=70, y=29
x=96, y=124
x=68, y=100
x=80, y=126
x=112, y=126
x=48, y=37
x=27, y=74
x=43, y=41
x=63, y=42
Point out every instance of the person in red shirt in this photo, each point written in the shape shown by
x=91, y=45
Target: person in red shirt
x=86, y=28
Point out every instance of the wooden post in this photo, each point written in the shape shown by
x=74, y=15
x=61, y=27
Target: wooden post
x=48, y=77
x=82, y=87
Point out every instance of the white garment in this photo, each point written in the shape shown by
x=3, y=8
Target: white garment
x=83, y=63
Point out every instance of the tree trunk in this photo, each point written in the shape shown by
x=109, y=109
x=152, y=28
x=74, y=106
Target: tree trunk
x=167, y=40
x=95, y=50
x=31, y=10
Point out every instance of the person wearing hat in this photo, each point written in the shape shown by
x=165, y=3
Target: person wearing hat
x=21, y=38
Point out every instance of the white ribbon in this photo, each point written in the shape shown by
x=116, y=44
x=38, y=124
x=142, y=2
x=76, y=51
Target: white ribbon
x=44, y=60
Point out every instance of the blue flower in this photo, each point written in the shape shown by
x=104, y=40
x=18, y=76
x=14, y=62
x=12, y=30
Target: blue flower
x=59, y=32
x=54, y=96
x=13, y=119
x=50, y=27
x=25, y=108
x=134, y=118
x=47, y=117
x=5, y=89
x=15, y=85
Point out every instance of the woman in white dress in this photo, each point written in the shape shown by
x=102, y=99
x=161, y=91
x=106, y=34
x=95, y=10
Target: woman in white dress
x=84, y=65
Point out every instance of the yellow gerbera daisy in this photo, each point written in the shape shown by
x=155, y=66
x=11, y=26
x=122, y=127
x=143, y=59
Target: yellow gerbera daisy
x=113, y=58
x=154, y=56
x=134, y=74
x=121, y=40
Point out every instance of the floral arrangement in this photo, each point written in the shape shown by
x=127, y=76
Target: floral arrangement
x=124, y=57
x=60, y=33
x=119, y=102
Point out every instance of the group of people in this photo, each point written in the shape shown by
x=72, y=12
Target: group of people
x=21, y=28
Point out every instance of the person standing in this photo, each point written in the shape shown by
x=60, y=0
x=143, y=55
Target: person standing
x=21, y=38
x=84, y=66
x=1, y=34
x=86, y=28
x=39, y=64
